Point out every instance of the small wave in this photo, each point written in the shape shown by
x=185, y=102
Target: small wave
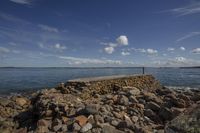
x=183, y=87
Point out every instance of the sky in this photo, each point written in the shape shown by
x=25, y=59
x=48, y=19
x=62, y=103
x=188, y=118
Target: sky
x=99, y=33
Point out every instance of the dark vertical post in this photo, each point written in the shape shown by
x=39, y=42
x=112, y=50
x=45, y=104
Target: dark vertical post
x=142, y=70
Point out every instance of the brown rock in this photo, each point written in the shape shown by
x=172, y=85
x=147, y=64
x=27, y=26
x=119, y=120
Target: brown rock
x=21, y=130
x=21, y=101
x=132, y=90
x=81, y=120
x=152, y=97
x=42, y=126
x=64, y=119
x=177, y=111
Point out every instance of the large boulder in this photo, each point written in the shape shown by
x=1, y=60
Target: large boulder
x=187, y=122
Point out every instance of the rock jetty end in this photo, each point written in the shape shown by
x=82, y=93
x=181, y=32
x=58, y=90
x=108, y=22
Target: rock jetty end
x=111, y=104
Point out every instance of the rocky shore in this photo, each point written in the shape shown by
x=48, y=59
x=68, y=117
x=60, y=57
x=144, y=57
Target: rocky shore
x=131, y=104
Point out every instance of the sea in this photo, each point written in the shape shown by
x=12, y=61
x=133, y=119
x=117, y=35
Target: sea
x=20, y=80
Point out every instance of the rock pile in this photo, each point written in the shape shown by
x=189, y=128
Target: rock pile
x=125, y=109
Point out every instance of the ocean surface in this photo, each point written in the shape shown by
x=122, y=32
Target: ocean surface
x=16, y=80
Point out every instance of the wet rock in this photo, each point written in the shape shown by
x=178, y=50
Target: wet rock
x=86, y=127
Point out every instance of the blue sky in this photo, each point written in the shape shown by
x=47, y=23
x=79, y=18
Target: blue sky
x=84, y=33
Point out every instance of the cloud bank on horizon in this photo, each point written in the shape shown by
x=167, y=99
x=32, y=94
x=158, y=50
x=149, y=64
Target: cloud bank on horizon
x=41, y=33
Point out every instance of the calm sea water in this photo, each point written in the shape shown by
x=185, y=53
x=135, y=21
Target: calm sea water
x=25, y=79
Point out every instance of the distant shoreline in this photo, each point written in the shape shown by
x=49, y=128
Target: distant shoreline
x=104, y=67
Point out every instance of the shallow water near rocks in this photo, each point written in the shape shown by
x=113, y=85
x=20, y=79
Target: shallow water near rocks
x=14, y=80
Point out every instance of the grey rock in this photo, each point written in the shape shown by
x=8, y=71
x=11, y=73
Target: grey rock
x=153, y=106
x=76, y=127
x=98, y=118
x=106, y=128
x=123, y=100
x=133, y=99
x=92, y=109
x=165, y=114
x=134, y=91
x=134, y=119
x=114, y=123
x=186, y=122
x=86, y=127
x=153, y=116
x=56, y=125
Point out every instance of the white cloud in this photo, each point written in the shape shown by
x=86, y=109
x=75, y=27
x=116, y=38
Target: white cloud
x=14, y=19
x=55, y=47
x=191, y=34
x=41, y=45
x=196, y=51
x=16, y=51
x=59, y=46
x=24, y=2
x=109, y=50
x=164, y=54
x=180, y=60
x=182, y=48
x=139, y=50
x=187, y=10
x=109, y=44
x=12, y=44
x=110, y=47
x=78, y=61
x=125, y=53
x=123, y=40
x=170, y=49
x=4, y=50
x=151, y=51
x=48, y=28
